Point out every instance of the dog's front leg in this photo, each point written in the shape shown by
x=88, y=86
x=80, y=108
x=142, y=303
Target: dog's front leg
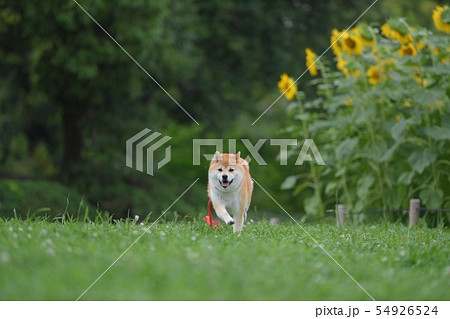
x=237, y=227
x=223, y=214
x=240, y=218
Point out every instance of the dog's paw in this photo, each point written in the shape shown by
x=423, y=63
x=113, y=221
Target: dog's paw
x=230, y=222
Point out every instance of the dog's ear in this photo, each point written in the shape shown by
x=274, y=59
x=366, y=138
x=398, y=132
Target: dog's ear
x=217, y=156
x=238, y=155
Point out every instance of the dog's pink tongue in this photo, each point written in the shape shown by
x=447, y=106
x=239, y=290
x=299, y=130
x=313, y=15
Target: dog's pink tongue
x=225, y=184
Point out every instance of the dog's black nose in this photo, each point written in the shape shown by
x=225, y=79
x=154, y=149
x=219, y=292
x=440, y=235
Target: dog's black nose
x=224, y=177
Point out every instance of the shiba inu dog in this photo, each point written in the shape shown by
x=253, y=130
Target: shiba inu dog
x=230, y=188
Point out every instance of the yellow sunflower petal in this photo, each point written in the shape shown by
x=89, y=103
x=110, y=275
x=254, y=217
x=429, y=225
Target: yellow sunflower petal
x=310, y=62
x=439, y=23
x=287, y=86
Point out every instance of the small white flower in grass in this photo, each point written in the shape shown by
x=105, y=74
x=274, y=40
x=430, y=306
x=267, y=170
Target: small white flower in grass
x=51, y=252
x=193, y=238
x=274, y=221
x=10, y=228
x=95, y=234
x=384, y=259
x=141, y=224
x=192, y=255
x=47, y=243
x=29, y=236
x=136, y=218
x=30, y=228
x=319, y=279
x=20, y=229
x=447, y=271
x=4, y=257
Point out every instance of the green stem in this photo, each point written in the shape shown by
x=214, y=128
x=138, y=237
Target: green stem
x=430, y=143
x=326, y=80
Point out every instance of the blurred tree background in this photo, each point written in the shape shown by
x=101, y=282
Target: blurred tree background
x=70, y=97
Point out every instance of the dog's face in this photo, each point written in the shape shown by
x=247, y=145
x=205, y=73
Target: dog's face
x=225, y=171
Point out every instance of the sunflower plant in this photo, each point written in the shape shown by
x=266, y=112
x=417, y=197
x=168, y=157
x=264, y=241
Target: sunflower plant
x=380, y=117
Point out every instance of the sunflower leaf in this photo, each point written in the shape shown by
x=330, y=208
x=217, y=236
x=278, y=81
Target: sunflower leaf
x=445, y=16
x=432, y=197
x=419, y=160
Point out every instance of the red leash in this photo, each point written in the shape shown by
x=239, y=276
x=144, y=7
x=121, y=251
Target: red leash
x=209, y=218
x=210, y=214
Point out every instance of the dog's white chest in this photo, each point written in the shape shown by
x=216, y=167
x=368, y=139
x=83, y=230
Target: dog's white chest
x=230, y=200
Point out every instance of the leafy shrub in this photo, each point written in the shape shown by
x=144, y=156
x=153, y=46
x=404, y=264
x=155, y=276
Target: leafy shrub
x=380, y=119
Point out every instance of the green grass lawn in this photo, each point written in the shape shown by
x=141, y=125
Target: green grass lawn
x=40, y=260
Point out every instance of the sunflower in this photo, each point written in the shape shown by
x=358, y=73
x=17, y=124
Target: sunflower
x=310, y=62
x=388, y=64
x=374, y=74
x=437, y=105
x=407, y=49
x=287, y=86
x=435, y=50
x=441, y=18
x=419, y=80
x=348, y=102
x=364, y=33
x=444, y=58
x=335, y=45
x=420, y=45
x=396, y=30
x=351, y=44
x=341, y=65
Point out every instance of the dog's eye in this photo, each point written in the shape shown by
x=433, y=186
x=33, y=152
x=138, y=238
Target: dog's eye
x=220, y=169
x=230, y=169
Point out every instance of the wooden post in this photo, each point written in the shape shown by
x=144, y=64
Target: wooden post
x=340, y=216
x=414, y=211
